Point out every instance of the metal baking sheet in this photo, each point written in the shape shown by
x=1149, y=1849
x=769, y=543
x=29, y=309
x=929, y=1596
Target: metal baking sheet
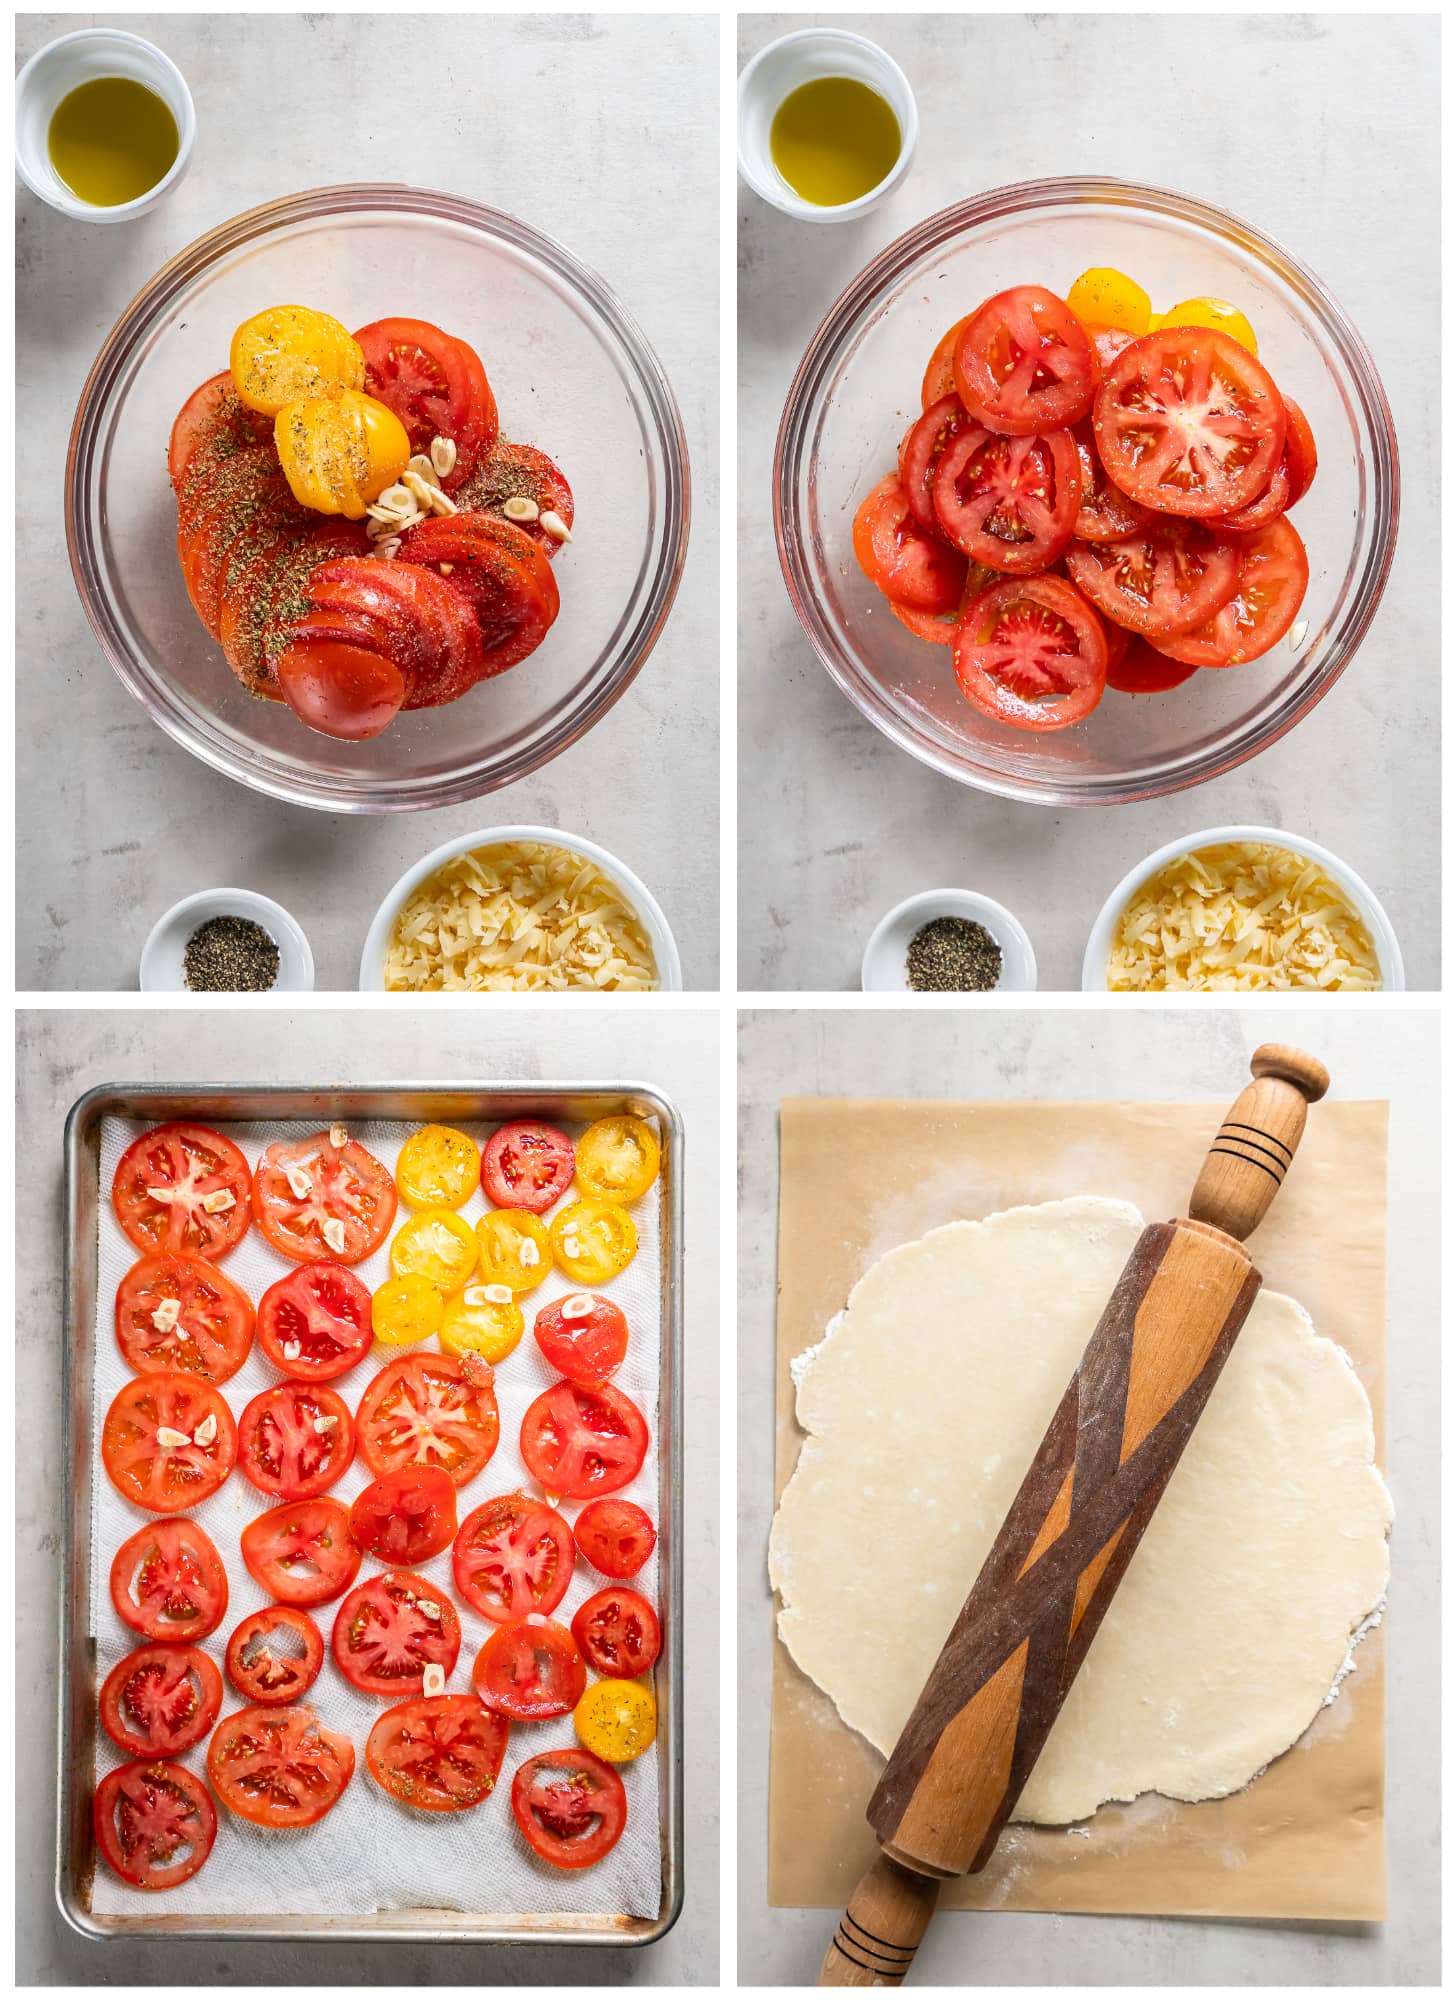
x=418, y=1103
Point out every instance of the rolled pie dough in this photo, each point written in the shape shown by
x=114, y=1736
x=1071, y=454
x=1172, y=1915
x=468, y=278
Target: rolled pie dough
x=924, y=1404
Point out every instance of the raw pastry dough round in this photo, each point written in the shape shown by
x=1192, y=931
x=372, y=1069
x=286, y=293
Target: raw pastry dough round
x=924, y=1404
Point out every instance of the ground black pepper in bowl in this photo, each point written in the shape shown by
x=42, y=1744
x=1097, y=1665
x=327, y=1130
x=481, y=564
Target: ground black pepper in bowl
x=230, y=955
x=953, y=955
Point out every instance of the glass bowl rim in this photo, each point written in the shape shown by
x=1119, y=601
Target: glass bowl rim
x=1071, y=191
x=403, y=199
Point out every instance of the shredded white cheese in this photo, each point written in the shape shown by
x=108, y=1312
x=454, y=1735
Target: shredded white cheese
x=1244, y=917
x=522, y=918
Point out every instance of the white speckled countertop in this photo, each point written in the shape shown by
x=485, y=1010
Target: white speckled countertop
x=116, y=822
x=835, y=823
x=1155, y=1054
x=60, y=1054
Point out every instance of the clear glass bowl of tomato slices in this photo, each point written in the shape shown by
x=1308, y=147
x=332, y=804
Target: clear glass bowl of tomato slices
x=858, y=387
x=571, y=372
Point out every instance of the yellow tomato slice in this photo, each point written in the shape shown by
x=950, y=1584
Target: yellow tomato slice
x=1216, y=313
x=593, y=1240
x=616, y=1720
x=439, y=1246
x=406, y=1310
x=515, y=1250
x=617, y=1159
x=339, y=452
x=483, y=1319
x=438, y=1167
x=289, y=352
x=1102, y=297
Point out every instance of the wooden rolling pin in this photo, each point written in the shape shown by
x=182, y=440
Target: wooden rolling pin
x=992, y=1696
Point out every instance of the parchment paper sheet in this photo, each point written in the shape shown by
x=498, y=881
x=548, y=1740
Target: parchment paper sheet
x=1306, y=1839
x=371, y=1853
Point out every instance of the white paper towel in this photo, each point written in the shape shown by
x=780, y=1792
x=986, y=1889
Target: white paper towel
x=371, y=1853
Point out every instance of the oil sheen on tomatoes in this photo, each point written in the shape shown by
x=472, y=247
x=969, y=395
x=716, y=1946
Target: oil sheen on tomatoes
x=834, y=140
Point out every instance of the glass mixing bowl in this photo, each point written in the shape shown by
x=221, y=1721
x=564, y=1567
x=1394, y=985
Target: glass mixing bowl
x=858, y=387
x=571, y=372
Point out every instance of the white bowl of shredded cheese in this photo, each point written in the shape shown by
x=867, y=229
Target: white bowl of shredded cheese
x=519, y=909
x=1242, y=909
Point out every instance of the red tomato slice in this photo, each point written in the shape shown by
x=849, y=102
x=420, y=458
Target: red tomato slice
x=266, y=593
x=168, y=1441
x=530, y=1670
x=302, y=1553
x=899, y=558
x=1024, y=366
x=160, y=1700
x=1188, y=422
x=940, y=627
x=345, y=1212
x=213, y=424
x=1009, y=502
x=519, y=472
x=182, y=1315
x=513, y=1555
x=527, y=1164
x=1032, y=653
x=168, y=1582
x=570, y=1806
x=339, y=689
x=429, y=1409
x=499, y=572
x=388, y=1630
x=940, y=369
x=408, y=615
x=279, y=1767
x=1273, y=578
x=1105, y=514
x=582, y=1441
x=618, y=1632
x=275, y=1656
x=314, y=1324
x=405, y=1517
x=1289, y=481
x=1162, y=580
x=589, y=1345
x=1107, y=343
x=296, y=1439
x=1141, y=669
x=155, y=1823
x=246, y=507
x=442, y=1752
x=435, y=385
x=163, y=1181
x=921, y=450
x=615, y=1536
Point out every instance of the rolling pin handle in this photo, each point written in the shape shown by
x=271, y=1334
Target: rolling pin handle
x=1247, y=1162
x=881, y=1930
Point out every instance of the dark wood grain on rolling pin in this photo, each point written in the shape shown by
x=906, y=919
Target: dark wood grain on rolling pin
x=1073, y=1528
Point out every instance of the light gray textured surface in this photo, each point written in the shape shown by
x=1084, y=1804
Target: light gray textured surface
x=1101, y=1054
x=116, y=821
x=835, y=824
x=59, y=1055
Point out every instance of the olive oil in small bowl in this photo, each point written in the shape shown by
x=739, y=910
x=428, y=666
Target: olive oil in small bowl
x=826, y=124
x=111, y=140
x=834, y=140
x=103, y=125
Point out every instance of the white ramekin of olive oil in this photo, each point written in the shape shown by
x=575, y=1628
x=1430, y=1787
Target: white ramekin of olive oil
x=103, y=125
x=826, y=124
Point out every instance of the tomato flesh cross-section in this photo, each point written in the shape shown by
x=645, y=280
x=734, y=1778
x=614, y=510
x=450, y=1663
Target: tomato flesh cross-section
x=442, y=1753
x=512, y=1556
x=1030, y=651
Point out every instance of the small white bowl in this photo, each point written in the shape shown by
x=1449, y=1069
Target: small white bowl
x=163, y=953
x=801, y=58
x=1387, y=950
x=664, y=945
x=63, y=66
x=884, y=968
